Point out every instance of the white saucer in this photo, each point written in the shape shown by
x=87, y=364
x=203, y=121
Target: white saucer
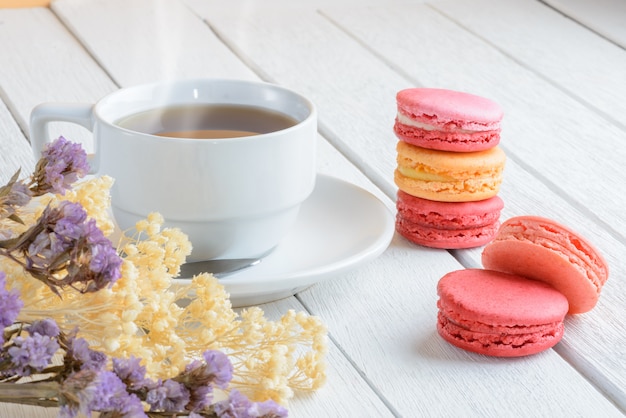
x=339, y=227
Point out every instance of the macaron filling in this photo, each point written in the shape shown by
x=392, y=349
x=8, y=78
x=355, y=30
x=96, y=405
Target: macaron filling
x=499, y=338
x=420, y=173
x=423, y=174
x=457, y=320
x=449, y=216
x=445, y=238
x=449, y=225
x=448, y=127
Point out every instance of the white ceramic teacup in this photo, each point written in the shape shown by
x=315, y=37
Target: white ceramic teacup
x=234, y=197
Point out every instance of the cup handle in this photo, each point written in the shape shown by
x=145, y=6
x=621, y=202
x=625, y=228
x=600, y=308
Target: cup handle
x=78, y=113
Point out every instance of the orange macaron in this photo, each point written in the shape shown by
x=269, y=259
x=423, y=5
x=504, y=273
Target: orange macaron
x=449, y=176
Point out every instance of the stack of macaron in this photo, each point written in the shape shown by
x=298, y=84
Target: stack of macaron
x=536, y=271
x=449, y=168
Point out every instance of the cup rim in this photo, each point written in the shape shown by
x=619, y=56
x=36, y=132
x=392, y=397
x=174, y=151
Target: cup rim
x=109, y=99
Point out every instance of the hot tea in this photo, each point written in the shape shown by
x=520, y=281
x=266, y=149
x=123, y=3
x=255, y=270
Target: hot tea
x=207, y=121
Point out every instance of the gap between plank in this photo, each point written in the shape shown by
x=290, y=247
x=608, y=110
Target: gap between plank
x=562, y=13
x=360, y=372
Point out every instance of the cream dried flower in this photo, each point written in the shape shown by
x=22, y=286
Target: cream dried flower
x=146, y=314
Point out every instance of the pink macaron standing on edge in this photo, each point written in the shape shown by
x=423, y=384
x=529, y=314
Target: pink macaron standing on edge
x=447, y=120
x=447, y=225
x=543, y=249
x=499, y=314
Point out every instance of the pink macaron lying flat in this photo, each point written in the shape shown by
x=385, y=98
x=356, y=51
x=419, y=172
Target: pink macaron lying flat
x=543, y=249
x=499, y=314
x=447, y=120
x=449, y=225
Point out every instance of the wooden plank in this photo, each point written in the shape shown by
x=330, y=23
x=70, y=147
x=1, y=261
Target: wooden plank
x=583, y=64
x=352, y=61
x=342, y=383
x=15, y=152
x=170, y=43
x=27, y=411
x=605, y=17
x=37, y=61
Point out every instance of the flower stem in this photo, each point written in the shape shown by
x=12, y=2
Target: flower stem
x=40, y=393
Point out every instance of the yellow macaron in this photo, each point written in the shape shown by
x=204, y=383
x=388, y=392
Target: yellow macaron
x=449, y=176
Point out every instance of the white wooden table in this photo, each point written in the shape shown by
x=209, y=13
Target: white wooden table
x=557, y=67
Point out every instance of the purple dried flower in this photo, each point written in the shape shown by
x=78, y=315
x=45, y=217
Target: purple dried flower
x=236, y=406
x=105, y=261
x=269, y=409
x=18, y=194
x=69, y=223
x=68, y=410
x=126, y=406
x=219, y=367
x=62, y=163
x=199, y=378
x=131, y=372
x=215, y=370
x=239, y=406
x=10, y=304
x=45, y=326
x=32, y=353
x=104, y=390
x=89, y=391
x=64, y=248
x=13, y=195
x=168, y=396
x=58, y=230
x=82, y=357
x=199, y=397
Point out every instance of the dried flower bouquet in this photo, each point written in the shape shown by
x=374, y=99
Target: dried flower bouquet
x=92, y=327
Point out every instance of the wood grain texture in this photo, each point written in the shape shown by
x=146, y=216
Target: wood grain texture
x=149, y=41
x=606, y=17
x=38, y=59
x=26, y=411
x=15, y=151
x=359, y=400
x=569, y=57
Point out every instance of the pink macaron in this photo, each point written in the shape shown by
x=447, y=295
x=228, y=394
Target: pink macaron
x=449, y=225
x=499, y=314
x=447, y=120
x=543, y=249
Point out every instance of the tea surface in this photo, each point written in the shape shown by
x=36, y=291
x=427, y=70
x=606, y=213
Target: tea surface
x=208, y=121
